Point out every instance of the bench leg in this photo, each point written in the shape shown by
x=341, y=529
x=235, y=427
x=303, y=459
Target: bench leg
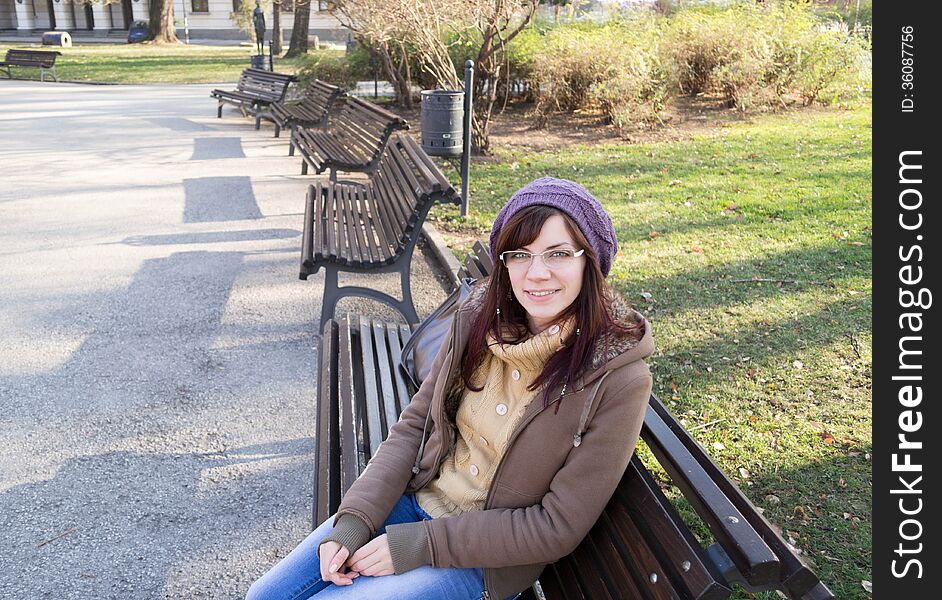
x=291, y=143
x=407, y=307
x=333, y=175
x=303, y=167
x=219, y=111
x=258, y=122
x=331, y=295
x=277, y=130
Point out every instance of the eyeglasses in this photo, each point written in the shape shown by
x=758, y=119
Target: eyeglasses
x=555, y=258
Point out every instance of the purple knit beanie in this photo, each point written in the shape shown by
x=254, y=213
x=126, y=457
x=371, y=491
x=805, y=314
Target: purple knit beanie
x=572, y=199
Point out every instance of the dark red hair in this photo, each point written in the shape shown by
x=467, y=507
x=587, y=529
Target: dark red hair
x=590, y=309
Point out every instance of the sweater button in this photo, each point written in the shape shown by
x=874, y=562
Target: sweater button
x=554, y=329
x=515, y=374
x=501, y=409
x=474, y=470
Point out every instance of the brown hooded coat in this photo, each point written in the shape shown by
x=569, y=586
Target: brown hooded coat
x=555, y=478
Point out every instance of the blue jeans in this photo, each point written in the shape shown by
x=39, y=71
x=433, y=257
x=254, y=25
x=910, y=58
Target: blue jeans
x=298, y=575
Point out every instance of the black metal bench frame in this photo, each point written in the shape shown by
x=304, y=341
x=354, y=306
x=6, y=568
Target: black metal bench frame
x=309, y=111
x=372, y=227
x=352, y=141
x=639, y=548
x=256, y=89
x=44, y=60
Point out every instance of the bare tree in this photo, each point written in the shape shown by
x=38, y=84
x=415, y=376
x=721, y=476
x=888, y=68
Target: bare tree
x=161, y=28
x=426, y=28
x=302, y=22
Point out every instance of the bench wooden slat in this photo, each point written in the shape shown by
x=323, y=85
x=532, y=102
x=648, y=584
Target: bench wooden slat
x=639, y=500
x=327, y=486
x=752, y=556
x=373, y=434
x=350, y=226
x=398, y=336
x=795, y=575
x=350, y=458
x=387, y=390
x=387, y=240
x=610, y=565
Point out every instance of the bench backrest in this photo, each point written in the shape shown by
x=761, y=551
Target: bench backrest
x=363, y=127
x=320, y=95
x=406, y=184
x=265, y=84
x=41, y=58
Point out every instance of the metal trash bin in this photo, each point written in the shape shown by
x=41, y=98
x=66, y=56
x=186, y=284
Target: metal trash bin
x=57, y=38
x=259, y=62
x=442, y=117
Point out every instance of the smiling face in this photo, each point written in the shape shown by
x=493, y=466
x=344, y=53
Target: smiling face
x=545, y=293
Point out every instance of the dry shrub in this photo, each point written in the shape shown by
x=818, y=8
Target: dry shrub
x=614, y=67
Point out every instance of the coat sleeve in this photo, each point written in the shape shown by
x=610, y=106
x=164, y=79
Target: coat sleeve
x=545, y=532
x=381, y=484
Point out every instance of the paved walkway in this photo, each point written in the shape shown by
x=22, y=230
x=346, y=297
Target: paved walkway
x=157, y=363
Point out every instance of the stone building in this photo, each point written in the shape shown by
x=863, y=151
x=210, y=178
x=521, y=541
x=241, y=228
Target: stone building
x=206, y=19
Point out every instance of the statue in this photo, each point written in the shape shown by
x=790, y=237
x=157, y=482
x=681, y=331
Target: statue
x=258, y=18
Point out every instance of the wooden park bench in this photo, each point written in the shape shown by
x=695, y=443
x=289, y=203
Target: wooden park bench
x=372, y=226
x=256, y=89
x=353, y=141
x=310, y=111
x=640, y=548
x=44, y=60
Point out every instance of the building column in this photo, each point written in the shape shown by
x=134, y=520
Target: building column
x=24, y=15
x=102, y=17
x=64, y=21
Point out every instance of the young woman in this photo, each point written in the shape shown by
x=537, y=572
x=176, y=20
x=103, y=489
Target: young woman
x=512, y=447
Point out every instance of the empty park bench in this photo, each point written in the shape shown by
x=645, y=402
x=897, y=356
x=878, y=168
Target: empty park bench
x=372, y=226
x=640, y=548
x=310, y=111
x=44, y=60
x=256, y=89
x=353, y=141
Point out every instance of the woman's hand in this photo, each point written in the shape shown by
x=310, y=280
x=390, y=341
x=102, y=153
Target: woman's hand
x=333, y=568
x=373, y=559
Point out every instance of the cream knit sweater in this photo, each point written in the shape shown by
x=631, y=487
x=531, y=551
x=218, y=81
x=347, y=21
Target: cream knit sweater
x=486, y=419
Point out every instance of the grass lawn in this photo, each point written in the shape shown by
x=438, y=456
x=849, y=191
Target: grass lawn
x=750, y=252
x=146, y=63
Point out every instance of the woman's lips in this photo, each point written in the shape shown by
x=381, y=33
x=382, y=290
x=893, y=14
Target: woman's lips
x=541, y=296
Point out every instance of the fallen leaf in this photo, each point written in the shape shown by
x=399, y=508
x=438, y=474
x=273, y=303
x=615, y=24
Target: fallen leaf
x=653, y=234
x=772, y=499
x=827, y=437
x=798, y=364
x=674, y=182
x=867, y=586
x=719, y=446
x=696, y=249
x=744, y=473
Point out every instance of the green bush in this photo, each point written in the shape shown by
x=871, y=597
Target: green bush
x=327, y=65
x=755, y=56
x=833, y=66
